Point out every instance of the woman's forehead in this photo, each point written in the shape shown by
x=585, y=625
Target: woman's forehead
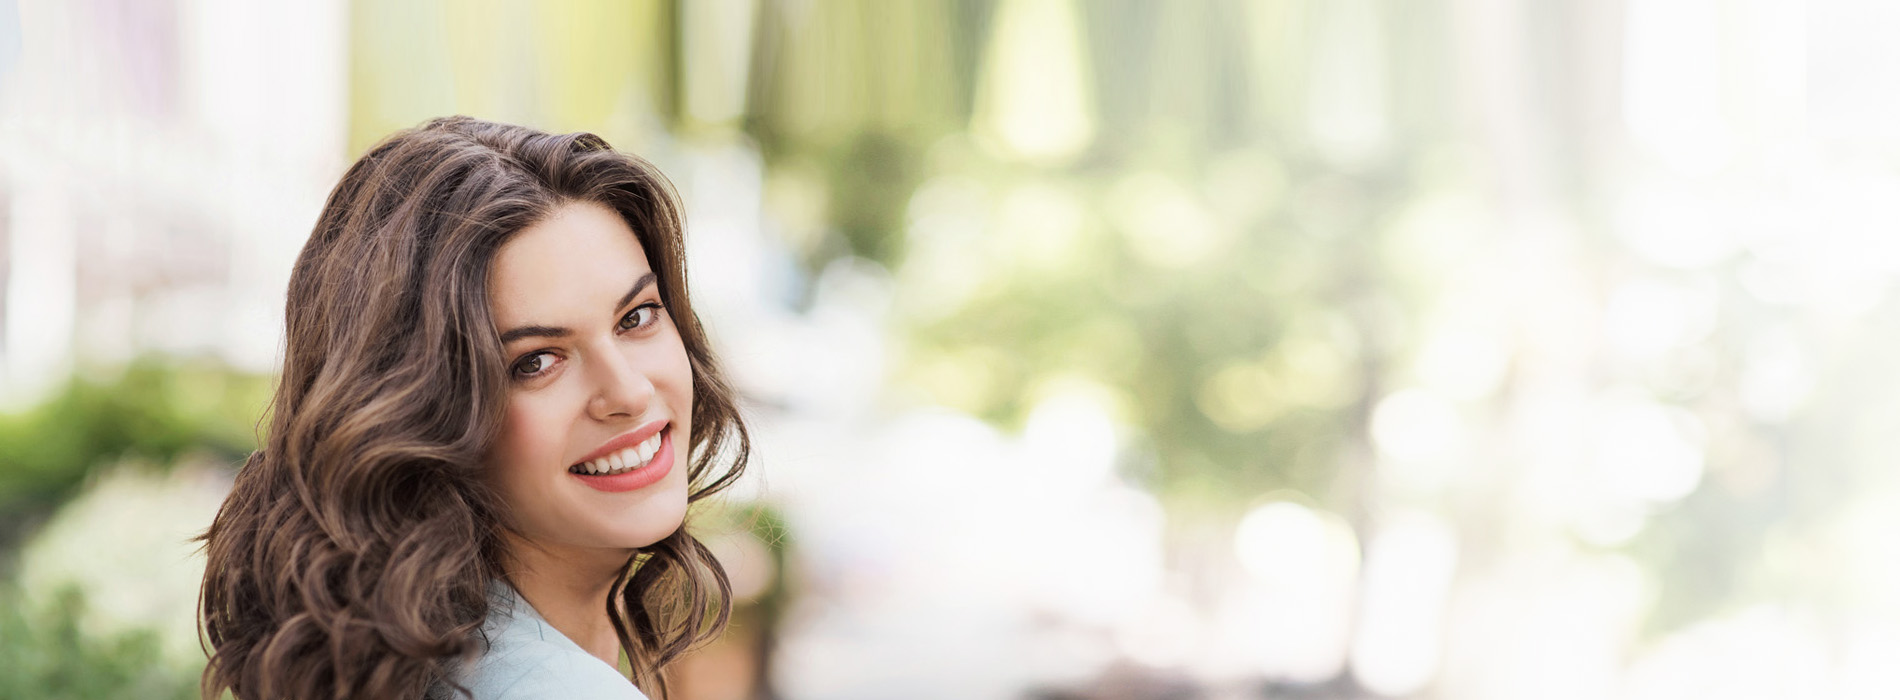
x=572, y=264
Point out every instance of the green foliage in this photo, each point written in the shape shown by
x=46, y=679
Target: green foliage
x=152, y=411
x=1244, y=365
x=45, y=654
x=871, y=182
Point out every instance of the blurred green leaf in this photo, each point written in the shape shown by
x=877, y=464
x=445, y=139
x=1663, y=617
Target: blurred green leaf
x=46, y=654
x=151, y=411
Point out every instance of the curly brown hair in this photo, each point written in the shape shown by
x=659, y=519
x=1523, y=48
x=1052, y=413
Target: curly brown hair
x=352, y=557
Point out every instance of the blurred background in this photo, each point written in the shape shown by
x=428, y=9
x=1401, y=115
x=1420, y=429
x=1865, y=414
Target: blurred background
x=1322, y=349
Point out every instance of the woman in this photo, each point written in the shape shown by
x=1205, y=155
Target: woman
x=495, y=405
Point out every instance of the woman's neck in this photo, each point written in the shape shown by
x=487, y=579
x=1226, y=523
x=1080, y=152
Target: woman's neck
x=569, y=590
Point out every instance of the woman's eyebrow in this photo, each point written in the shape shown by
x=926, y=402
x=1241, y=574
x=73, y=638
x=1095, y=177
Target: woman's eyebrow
x=534, y=332
x=639, y=285
x=515, y=334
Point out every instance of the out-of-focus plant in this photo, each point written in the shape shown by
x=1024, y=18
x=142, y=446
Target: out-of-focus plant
x=1147, y=231
x=151, y=412
x=752, y=540
x=46, y=653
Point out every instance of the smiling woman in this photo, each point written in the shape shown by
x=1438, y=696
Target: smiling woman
x=495, y=406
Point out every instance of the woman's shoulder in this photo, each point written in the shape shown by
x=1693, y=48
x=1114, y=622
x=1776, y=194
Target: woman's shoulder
x=527, y=658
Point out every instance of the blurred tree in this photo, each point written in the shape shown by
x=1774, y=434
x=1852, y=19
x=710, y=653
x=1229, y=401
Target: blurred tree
x=46, y=655
x=151, y=411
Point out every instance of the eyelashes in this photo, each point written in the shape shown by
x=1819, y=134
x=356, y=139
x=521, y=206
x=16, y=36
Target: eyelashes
x=530, y=365
x=539, y=362
x=652, y=315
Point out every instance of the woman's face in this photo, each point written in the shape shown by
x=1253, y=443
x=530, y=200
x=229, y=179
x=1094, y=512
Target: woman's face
x=592, y=455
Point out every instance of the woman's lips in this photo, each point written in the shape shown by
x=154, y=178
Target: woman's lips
x=626, y=440
x=655, y=470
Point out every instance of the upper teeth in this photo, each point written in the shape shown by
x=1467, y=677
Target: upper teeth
x=631, y=458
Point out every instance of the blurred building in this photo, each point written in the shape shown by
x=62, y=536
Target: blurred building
x=160, y=164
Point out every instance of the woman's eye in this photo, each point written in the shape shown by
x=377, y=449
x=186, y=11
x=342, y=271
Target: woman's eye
x=640, y=317
x=531, y=365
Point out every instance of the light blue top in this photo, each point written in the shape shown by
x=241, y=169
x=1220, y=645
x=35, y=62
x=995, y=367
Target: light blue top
x=527, y=659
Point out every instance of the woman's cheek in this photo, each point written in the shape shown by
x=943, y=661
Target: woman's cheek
x=526, y=437
x=681, y=373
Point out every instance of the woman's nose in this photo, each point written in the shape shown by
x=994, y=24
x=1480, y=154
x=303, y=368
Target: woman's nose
x=621, y=389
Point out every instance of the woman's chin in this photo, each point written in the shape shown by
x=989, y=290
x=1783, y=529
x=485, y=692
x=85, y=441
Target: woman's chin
x=656, y=521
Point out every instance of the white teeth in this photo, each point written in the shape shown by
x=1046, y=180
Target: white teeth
x=630, y=458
